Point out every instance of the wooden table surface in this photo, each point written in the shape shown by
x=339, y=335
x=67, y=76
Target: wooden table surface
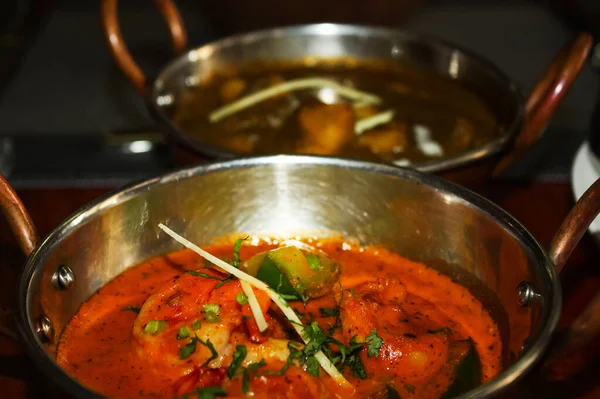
x=539, y=206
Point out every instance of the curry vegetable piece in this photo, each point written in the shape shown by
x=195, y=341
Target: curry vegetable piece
x=291, y=85
x=426, y=144
x=371, y=122
x=325, y=363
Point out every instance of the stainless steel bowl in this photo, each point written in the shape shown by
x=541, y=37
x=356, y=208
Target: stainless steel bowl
x=419, y=216
x=515, y=117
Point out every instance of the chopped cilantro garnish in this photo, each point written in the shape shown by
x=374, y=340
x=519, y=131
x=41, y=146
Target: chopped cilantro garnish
x=241, y=298
x=196, y=325
x=183, y=332
x=236, y=251
x=134, y=309
x=351, y=356
x=189, y=349
x=374, y=343
x=229, y=278
x=202, y=274
x=209, y=392
x=255, y=366
x=409, y=388
x=313, y=262
x=252, y=368
x=312, y=366
x=245, y=381
x=155, y=326
x=329, y=312
x=220, y=280
x=238, y=357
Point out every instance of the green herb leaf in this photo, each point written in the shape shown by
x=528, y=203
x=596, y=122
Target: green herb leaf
x=209, y=392
x=238, y=357
x=134, y=309
x=226, y=280
x=183, y=332
x=374, y=344
x=245, y=381
x=392, y=393
x=329, y=312
x=313, y=261
x=196, y=325
x=312, y=366
x=212, y=349
x=201, y=274
x=253, y=367
x=467, y=373
x=409, y=388
x=236, y=251
x=357, y=367
x=241, y=298
x=187, y=350
x=155, y=326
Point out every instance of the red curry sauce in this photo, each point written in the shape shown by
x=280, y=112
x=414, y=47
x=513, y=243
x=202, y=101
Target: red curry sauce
x=421, y=334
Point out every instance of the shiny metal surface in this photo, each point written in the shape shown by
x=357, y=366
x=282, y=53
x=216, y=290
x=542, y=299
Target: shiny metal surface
x=327, y=41
x=419, y=216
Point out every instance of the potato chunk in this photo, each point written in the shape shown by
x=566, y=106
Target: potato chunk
x=326, y=128
x=232, y=89
x=390, y=139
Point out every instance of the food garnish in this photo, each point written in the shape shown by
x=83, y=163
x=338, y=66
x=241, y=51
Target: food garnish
x=291, y=85
x=323, y=360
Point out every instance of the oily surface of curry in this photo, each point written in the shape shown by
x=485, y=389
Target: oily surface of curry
x=407, y=115
x=175, y=327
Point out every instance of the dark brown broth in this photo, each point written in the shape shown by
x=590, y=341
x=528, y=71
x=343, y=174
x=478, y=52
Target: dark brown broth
x=423, y=98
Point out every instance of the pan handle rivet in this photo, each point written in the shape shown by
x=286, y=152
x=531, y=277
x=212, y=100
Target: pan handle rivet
x=63, y=278
x=526, y=294
x=44, y=330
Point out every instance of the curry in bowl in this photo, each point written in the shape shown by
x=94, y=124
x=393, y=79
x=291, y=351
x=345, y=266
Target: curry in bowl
x=313, y=318
x=378, y=111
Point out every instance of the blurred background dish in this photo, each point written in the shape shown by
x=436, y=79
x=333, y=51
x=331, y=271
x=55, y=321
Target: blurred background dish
x=66, y=113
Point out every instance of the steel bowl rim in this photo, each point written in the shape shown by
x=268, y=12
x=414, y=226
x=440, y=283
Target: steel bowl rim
x=548, y=275
x=205, y=51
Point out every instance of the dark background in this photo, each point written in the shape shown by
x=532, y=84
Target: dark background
x=61, y=93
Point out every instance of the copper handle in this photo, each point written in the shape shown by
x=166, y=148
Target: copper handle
x=119, y=49
x=546, y=96
x=18, y=219
x=566, y=357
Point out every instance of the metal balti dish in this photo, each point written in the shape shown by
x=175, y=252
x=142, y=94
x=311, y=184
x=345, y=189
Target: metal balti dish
x=419, y=216
x=520, y=123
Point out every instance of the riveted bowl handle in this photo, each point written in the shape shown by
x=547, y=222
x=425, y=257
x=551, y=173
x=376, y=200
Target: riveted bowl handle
x=116, y=43
x=547, y=95
x=18, y=219
x=570, y=351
